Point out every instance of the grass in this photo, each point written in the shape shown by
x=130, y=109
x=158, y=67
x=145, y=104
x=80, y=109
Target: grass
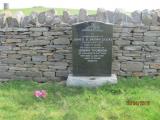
x=66, y=103
x=59, y=11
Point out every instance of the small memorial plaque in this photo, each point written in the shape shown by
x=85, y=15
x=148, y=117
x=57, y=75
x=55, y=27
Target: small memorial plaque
x=92, y=49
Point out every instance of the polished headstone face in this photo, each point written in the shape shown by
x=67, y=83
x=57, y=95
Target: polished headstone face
x=92, y=49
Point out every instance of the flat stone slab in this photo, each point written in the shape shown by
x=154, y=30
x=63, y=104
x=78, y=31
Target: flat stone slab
x=90, y=81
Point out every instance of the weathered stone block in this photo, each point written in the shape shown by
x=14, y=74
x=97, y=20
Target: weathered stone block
x=44, y=38
x=132, y=48
x=155, y=65
x=16, y=48
x=148, y=38
x=122, y=42
x=28, y=73
x=138, y=74
x=146, y=17
x=4, y=48
x=155, y=28
x=39, y=58
x=58, y=56
x=14, y=56
x=20, y=29
x=126, y=34
x=5, y=75
x=132, y=66
x=13, y=40
x=39, y=29
x=63, y=51
x=11, y=61
x=41, y=18
x=138, y=43
x=38, y=42
x=68, y=56
x=34, y=34
x=12, y=22
x=141, y=29
x=31, y=20
x=142, y=43
x=115, y=66
x=149, y=43
x=27, y=52
x=116, y=35
x=60, y=65
x=9, y=52
x=15, y=77
x=40, y=79
x=136, y=17
x=137, y=34
x=61, y=73
x=47, y=17
x=154, y=48
x=2, y=20
x=17, y=68
x=127, y=30
x=158, y=43
x=59, y=33
x=132, y=53
x=117, y=29
x=26, y=59
x=82, y=15
x=150, y=71
x=124, y=58
x=152, y=33
x=101, y=15
x=14, y=29
x=52, y=33
x=62, y=41
x=49, y=74
x=4, y=68
x=66, y=16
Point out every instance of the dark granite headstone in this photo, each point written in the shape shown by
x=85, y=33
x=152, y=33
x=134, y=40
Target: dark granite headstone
x=92, y=49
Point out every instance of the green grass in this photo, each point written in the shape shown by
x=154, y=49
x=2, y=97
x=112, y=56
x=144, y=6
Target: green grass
x=59, y=11
x=66, y=103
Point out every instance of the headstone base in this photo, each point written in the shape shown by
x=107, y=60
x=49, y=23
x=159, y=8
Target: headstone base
x=90, y=81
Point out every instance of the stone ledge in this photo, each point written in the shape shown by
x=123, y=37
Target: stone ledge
x=90, y=81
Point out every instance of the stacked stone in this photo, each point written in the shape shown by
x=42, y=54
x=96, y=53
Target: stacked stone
x=35, y=53
x=136, y=50
x=38, y=46
x=49, y=17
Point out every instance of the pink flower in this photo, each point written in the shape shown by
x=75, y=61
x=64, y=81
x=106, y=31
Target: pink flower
x=43, y=93
x=37, y=93
x=40, y=93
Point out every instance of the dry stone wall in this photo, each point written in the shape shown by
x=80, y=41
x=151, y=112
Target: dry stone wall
x=38, y=53
x=39, y=47
x=136, y=50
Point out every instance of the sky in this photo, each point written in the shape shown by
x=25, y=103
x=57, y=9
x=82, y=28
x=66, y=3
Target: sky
x=128, y=5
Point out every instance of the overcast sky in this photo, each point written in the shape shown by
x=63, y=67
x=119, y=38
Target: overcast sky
x=128, y=5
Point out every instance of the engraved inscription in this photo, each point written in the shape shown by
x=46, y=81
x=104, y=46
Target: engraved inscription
x=92, y=47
